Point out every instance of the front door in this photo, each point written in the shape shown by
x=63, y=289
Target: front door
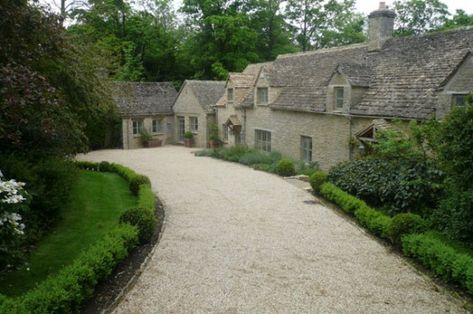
x=181, y=125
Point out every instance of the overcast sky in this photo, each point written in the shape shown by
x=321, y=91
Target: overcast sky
x=367, y=6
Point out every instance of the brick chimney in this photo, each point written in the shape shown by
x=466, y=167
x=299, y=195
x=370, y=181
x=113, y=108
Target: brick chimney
x=380, y=26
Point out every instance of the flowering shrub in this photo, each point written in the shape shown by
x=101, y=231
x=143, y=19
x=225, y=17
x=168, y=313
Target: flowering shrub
x=12, y=201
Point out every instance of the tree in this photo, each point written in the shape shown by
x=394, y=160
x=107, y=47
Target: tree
x=419, y=16
x=320, y=24
x=458, y=20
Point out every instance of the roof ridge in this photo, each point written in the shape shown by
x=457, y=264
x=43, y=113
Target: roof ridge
x=322, y=50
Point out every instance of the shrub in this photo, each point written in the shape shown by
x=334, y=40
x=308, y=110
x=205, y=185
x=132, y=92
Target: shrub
x=253, y=157
x=188, y=135
x=88, y=165
x=397, y=185
x=65, y=292
x=233, y=153
x=305, y=168
x=376, y=222
x=347, y=202
x=317, y=179
x=146, y=198
x=143, y=219
x=285, y=168
x=405, y=223
x=105, y=166
x=442, y=257
x=265, y=167
x=135, y=183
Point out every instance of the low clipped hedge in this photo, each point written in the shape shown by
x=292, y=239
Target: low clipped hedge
x=443, y=258
x=285, y=168
x=66, y=291
x=317, y=179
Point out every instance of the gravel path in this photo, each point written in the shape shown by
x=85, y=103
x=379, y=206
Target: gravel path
x=237, y=240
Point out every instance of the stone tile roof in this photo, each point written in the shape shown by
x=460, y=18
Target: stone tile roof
x=402, y=80
x=207, y=92
x=144, y=98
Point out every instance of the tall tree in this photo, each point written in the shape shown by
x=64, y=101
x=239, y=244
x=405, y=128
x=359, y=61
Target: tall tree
x=419, y=16
x=313, y=20
x=461, y=18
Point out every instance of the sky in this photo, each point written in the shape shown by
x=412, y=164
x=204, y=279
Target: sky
x=366, y=6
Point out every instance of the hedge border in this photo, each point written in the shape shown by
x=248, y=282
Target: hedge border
x=70, y=287
x=443, y=258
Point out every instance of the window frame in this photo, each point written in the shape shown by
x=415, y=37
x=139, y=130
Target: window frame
x=230, y=91
x=306, y=151
x=259, y=100
x=455, y=98
x=225, y=132
x=263, y=140
x=194, y=124
x=157, y=125
x=136, y=130
x=337, y=99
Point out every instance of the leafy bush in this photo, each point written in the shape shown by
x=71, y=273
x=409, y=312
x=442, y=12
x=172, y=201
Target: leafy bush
x=135, y=183
x=65, y=292
x=442, y=257
x=347, y=202
x=105, y=166
x=305, y=168
x=146, y=198
x=317, y=179
x=143, y=219
x=88, y=165
x=397, y=186
x=285, y=168
x=188, y=135
x=233, y=153
x=405, y=223
x=253, y=157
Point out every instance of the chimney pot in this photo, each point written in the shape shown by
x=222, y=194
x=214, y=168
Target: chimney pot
x=382, y=5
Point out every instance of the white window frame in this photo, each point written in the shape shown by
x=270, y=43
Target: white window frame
x=339, y=101
x=230, y=92
x=263, y=140
x=306, y=148
x=157, y=125
x=194, y=124
x=262, y=98
x=137, y=126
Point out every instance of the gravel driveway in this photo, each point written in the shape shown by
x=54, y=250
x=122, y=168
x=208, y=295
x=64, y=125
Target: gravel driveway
x=237, y=240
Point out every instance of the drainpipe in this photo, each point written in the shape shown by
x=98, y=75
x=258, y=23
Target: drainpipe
x=244, y=127
x=350, y=148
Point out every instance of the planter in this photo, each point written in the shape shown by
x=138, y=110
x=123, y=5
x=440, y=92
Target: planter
x=214, y=144
x=152, y=143
x=188, y=142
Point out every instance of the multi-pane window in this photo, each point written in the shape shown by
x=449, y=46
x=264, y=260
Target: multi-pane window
x=263, y=140
x=262, y=96
x=193, y=124
x=339, y=91
x=157, y=126
x=306, y=148
x=137, y=126
x=230, y=94
x=225, y=132
x=458, y=100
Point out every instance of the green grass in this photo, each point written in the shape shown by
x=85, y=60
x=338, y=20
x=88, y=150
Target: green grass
x=97, y=201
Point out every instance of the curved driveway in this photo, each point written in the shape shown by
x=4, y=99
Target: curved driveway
x=237, y=240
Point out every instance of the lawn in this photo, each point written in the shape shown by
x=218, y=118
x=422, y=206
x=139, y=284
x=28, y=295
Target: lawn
x=97, y=201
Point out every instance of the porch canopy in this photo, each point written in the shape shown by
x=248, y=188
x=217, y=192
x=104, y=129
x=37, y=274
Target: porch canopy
x=234, y=124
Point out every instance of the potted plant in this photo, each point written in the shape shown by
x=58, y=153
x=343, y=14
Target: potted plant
x=214, y=140
x=188, y=139
x=146, y=137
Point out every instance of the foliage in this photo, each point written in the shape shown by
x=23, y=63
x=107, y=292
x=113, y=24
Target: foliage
x=405, y=223
x=97, y=201
x=375, y=221
x=305, y=168
x=188, y=135
x=418, y=16
x=143, y=219
x=146, y=198
x=65, y=292
x=213, y=133
x=285, y=168
x=397, y=185
x=461, y=18
x=319, y=24
x=442, y=257
x=145, y=135
x=253, y=156
x=317, y=179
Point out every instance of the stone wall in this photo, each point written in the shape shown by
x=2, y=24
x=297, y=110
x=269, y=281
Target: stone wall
x=132, y=141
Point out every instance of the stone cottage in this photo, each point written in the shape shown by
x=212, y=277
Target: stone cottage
x=145, y=106
x=323, y=105
x=194, y=109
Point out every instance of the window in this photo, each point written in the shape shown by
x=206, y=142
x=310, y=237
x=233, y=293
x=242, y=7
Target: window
x=230, y=94
x=193, y=124
x=306, y=148
x=225, y=132
x=262, y=95
x=137, y=126
x=263, y=140
x=181, y=128
x=458, y=100
x=157, y=126
x=338, y=92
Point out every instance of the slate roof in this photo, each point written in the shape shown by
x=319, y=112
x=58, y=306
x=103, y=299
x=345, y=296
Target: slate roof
x=206, y=92
x=402, y=80
x=144, y=98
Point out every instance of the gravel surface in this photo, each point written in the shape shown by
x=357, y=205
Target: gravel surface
x=237, y=240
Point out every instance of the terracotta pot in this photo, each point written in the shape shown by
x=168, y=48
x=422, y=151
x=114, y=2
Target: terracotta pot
x=188, y=142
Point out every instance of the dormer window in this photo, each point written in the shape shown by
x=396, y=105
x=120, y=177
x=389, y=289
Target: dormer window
x=339, y=95
x=262, y=96
x=459, y=100
x=230, y=95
